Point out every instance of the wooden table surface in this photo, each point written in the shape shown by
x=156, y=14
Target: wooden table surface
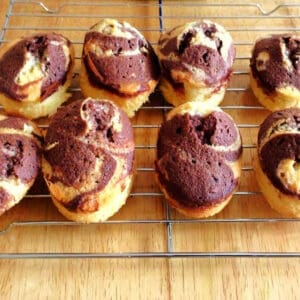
x=155, y=278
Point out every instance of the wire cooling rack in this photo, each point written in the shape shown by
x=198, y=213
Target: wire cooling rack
x=248, y=212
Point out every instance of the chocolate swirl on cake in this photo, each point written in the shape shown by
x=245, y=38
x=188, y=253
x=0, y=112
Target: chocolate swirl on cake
x=275, y=62
x=19, y=159
x=195, y=153
x=89, y=151
x=202, y=50
x=118, y=58
x=279, y=150
x=42, y=60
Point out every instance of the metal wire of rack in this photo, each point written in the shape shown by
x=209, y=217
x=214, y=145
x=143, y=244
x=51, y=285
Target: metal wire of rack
x=161, y=8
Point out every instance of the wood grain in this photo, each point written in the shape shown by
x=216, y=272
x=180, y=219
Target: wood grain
x=149, y=278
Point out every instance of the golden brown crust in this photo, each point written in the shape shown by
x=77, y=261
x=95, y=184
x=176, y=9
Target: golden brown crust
x=206, y=95
x=281, y=98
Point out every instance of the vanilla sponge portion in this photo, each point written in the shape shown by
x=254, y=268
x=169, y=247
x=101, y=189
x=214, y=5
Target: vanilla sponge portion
x=112, y=198
x=119, y=64
x=209, y=96
x=130, y=104
x=37, y=109
x=286, y=205
x=281, y=98
x=196, y=60
x=35, y=73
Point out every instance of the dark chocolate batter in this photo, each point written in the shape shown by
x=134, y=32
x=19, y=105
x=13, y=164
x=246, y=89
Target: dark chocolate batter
x=51, y=56
x=216, y=69
x=81, y=133
x=274, y=74
x=193, y=172
x=110, y=72
x=283, y=146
